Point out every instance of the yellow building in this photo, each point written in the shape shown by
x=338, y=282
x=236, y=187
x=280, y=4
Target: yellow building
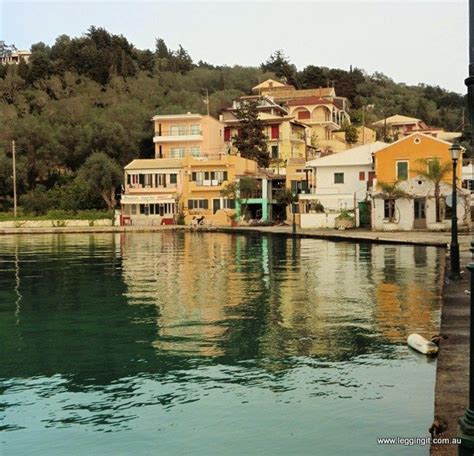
x=320, y=108
x=286, y=136
x=158, y=191
x=400, y=160
x=180, y=135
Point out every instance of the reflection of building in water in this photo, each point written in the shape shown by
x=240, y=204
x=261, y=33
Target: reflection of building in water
x=188, y=277
x=246, y=297
x=340, y=299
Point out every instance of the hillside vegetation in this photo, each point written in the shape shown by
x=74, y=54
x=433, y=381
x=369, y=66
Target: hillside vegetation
x=96, y=94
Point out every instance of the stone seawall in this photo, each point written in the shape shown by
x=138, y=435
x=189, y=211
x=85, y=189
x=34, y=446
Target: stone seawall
x=54, y=223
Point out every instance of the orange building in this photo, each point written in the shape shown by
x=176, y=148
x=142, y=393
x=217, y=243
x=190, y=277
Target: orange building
x=400, y=160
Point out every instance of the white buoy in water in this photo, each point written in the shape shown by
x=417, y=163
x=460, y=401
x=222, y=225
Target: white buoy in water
x=422, y=345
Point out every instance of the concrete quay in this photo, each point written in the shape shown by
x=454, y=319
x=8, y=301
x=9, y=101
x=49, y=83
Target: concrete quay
x=452, y=371
x=428, y=238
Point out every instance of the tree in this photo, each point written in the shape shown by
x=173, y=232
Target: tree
x=435, y=171
x=352, y=136
x=251, y=141
x=279, y=64
x=285, y=197
x=102, y=175
x=181, y=60
x=241, y=191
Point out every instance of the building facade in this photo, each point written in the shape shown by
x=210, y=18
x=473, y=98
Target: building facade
x=181, y=135
x=160, y=191
x=286, y=137
x=401, y=165
x=15, y=58
x=396, y=127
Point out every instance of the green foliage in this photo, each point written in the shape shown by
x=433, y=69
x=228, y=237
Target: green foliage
x=284, y=197
x=392, y=190
x=98, y=92
x=251, y=142
x=241, y=191
x=279, y=64
x=345, y=215
x=101, y=175
x=36, y=201
x=434, y=171
x=352, y=136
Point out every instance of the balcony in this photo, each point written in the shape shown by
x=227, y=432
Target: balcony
x=182, y=135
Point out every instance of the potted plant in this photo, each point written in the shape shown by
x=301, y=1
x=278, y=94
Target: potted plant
x=344, y=220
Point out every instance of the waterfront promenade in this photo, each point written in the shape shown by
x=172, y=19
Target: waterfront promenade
x=437, y=239
x=451, y=392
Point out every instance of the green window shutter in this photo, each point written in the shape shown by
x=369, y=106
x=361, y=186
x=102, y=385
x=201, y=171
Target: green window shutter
x=225, y=175
x=205, y=204
x=402, y=170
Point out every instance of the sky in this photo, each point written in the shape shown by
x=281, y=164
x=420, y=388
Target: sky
x=411, y=42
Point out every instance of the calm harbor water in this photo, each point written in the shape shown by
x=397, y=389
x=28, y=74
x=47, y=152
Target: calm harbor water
x=210, y=344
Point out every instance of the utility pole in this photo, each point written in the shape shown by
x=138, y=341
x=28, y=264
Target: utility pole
x=14, y=177
x=363, y=125
x=207, y=100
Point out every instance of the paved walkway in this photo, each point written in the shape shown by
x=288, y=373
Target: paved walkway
x=451, y=391
x=358, y=235
x=437, y=239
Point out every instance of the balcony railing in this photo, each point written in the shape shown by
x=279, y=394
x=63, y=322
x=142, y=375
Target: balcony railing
x=179, y=132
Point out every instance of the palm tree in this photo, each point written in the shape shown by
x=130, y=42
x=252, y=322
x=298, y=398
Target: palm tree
x=434, y=171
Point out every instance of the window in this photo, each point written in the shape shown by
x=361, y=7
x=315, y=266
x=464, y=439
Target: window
x=274, y=151
x=362, y=175
x=304, y=115
x=133, y=209
x=177, y=152
x=448, y=210
x=173, y=179
x=275, y=132
x=402, y=170
x=195, y=129
x=296, y=187
x=195, y=151
x=161, y=180
x=147, y=180
x=198, y=204
x=228, y=203
x=338, y=178
x=389, y=209
x=178, y=130
x=432, y=164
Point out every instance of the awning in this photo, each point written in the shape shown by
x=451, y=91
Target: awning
x=146, y=199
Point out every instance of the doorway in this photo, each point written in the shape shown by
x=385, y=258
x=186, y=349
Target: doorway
x=420, y=213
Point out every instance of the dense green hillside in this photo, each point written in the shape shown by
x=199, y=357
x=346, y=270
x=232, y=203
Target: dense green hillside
x=97, y=93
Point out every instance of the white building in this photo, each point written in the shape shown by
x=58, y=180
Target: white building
x=15, y=57
x=342, y=180
x=418, y=209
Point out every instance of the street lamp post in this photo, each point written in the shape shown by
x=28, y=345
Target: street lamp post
x=466, y=422
x=455, y=273
x=293, y=210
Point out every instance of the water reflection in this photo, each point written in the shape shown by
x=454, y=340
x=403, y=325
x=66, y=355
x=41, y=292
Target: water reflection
x=112, y=332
